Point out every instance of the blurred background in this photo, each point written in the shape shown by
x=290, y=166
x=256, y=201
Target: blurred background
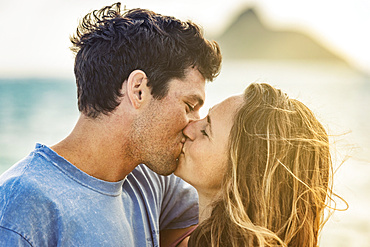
x=316, y=51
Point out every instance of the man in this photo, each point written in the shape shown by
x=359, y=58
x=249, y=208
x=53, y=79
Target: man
x=140, y=79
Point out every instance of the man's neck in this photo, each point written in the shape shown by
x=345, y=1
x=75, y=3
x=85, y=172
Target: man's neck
x=96, y=150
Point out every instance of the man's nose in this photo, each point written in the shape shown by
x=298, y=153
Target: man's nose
x=188, y=131
x=194, y=116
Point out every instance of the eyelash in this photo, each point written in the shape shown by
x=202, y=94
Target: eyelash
x=190, y=107
x=204, y=133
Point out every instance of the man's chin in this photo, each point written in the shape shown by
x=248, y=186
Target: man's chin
x=163, y=169
x=179, y=162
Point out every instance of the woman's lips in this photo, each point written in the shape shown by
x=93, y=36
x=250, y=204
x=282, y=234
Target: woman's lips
x=181, y=153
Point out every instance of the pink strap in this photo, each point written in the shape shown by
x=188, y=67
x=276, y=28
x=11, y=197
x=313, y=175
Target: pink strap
x=186, y=234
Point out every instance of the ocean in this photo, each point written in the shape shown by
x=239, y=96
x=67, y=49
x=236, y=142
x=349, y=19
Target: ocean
x=45, y=111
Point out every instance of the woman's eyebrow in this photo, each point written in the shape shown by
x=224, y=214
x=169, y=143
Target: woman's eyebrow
x=209, y=122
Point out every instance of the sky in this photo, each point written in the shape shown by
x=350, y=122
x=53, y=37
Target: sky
x=34, y=40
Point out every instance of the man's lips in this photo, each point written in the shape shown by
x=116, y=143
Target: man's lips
x=181, y=153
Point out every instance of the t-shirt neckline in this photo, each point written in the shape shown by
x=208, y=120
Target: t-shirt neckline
x=79, y=176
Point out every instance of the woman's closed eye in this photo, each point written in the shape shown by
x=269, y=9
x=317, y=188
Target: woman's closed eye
x=204, y=132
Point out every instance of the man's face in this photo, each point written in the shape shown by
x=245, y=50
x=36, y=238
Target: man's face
x=157, y=134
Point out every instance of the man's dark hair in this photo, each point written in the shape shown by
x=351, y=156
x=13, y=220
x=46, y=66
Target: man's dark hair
x=109, y=45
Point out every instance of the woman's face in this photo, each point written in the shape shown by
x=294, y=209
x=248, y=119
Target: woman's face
x=203, y=161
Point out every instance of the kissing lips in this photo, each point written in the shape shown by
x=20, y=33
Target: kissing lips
x=181, y=154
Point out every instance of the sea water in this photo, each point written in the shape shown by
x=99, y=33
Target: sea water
x=45, y=111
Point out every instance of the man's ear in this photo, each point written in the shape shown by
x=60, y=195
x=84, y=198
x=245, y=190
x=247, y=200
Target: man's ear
x=137, y=89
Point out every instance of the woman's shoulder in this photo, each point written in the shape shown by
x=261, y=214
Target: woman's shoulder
x=184, y=242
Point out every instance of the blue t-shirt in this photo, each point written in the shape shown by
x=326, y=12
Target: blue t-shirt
x=47, y=201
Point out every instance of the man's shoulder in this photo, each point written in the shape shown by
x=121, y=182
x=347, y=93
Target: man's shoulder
x=27, y=206
x=30, y=170
x=18, y=184
x=18, y=174
x=27, y=182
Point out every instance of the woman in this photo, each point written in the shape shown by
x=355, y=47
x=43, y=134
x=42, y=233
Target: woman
x=261, y=165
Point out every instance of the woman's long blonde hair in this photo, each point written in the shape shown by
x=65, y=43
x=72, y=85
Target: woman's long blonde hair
x=279, y=179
